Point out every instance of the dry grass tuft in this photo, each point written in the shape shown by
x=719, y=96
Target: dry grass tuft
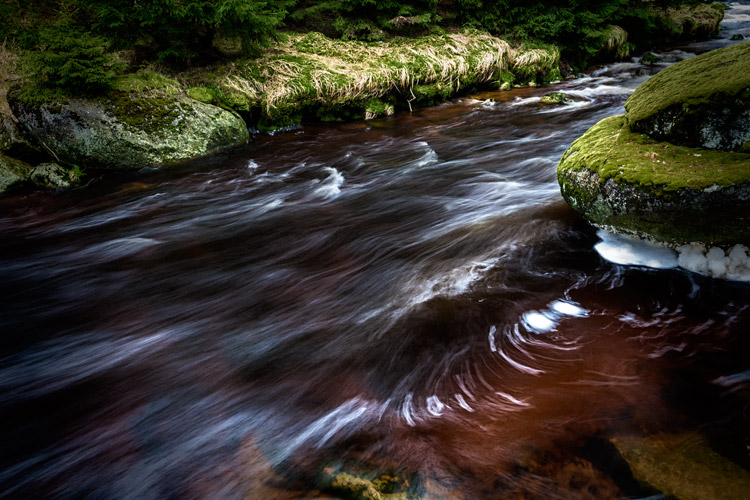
x=310, y=68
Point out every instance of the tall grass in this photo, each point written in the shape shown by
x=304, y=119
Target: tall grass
x=313, y=69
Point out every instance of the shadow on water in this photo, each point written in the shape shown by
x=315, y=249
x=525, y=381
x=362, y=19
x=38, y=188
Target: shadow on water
x=408, y=294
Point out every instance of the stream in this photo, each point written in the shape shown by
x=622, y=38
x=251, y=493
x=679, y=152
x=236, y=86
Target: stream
x=408, y=294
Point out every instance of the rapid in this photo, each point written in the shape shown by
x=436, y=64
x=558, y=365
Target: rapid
x=408, y=294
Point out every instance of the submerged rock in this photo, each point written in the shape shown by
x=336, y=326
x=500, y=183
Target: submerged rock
x=127, y=130
x=351, y=482
x=650, y=59
x=684, y=467
x=700, y=102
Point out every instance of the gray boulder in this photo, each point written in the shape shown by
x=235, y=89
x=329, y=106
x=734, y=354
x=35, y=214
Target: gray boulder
x=13, y=173
x=129, y=130
x=14, y=142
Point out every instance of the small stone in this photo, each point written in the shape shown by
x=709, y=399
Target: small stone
x=737, y=37
x=554, y=98
x=649, y=58
x=50, y=176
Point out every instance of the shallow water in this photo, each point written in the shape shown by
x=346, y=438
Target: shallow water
x=408, y=294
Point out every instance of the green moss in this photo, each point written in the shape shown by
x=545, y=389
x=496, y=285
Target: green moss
x=431, y=94
x=611, y=150
x=694, y=81
x=554, y=98
x=375, y=107
x=144, y=80
x=151, y=113
x=201, y=94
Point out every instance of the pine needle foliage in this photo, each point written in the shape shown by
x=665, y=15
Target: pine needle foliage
x=181, y=31
x=72, y=60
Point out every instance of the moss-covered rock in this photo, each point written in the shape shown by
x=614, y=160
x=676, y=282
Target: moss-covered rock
x=129, y=129
x=622, y=180
x=683, y=466
x=650, y=59
x=353, y=483
x=554, y=98
x=686, y=22
x=703, y=101
x=13, y=173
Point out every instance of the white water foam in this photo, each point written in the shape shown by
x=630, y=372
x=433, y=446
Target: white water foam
x=624, y=250
x=731, y=264
x=331, y=185
x=547, y=320
x=565, y=108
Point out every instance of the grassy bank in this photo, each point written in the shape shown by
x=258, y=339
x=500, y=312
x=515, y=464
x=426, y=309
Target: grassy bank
x=312, y=77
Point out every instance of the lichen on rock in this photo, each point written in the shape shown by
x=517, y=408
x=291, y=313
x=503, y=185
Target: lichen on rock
x=51, y=176
x=126, y=130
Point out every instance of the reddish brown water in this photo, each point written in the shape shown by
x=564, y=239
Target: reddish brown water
x=408, y=294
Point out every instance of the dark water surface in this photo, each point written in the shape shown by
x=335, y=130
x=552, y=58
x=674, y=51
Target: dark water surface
x=408, y=294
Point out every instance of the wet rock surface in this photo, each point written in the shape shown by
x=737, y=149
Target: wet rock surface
x=130, y=130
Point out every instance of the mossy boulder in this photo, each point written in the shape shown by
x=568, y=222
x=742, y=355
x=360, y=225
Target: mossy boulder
x=127, y=130
x=701, y=102
x=625, y=181
x=684, y=467
x=13, y=173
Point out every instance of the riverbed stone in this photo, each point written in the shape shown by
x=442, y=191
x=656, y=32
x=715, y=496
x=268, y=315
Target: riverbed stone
x=700, y=102
x=129, y=130
x=683, y=466
x=649, y=58
x=13, y=173
x=627, y=182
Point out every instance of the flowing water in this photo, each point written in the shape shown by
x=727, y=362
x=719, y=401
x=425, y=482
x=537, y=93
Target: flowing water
x=408, y=294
